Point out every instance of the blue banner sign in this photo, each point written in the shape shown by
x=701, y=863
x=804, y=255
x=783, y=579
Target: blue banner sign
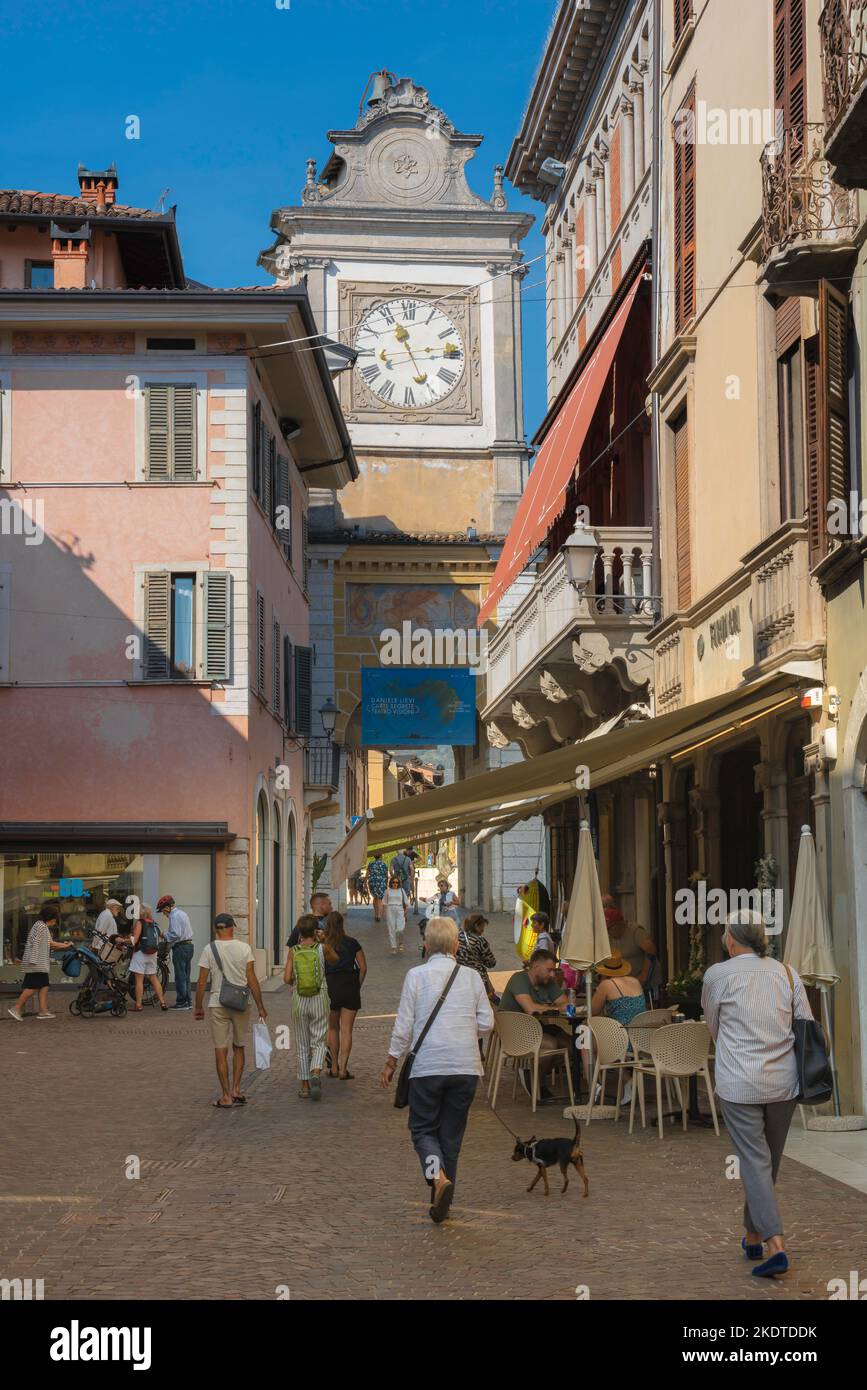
x=417, y=706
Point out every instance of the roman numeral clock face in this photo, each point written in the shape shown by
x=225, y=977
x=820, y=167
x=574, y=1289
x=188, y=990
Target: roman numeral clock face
x=410, y=353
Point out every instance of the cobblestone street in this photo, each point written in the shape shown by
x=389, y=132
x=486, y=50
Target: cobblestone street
x=328, y=1200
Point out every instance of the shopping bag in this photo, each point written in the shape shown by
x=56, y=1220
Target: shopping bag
x=262, y=1044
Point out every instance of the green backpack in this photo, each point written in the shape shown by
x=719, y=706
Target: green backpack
x=308, y=970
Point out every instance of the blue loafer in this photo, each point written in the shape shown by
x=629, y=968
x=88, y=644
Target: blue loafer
x=777, y=1264
x=752, y=1252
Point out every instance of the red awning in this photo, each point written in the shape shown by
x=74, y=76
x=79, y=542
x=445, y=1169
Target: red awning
x=545, y=495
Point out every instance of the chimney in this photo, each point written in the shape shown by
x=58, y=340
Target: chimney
x=70, y=251
x=98, y=187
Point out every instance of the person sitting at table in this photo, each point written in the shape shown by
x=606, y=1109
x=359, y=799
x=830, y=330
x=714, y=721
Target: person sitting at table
x=618, y=994
x=630, y=940
x=535, y=990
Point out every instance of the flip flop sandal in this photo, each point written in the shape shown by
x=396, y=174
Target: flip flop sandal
x=347, y=1076
x=333, y=1074
x=218, y=1105
x=303, y=1095
x=239, y=1100
x=315, y=1088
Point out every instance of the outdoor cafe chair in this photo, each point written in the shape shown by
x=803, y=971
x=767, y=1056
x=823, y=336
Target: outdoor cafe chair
x=611, y=1053
x=679, y=1051
x=519, y=1037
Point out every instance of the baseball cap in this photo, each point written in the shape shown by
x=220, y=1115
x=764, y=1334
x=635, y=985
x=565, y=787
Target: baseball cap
x=224, y=919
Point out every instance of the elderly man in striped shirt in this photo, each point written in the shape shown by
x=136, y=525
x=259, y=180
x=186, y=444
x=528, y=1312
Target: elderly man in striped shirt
x=749, y=1004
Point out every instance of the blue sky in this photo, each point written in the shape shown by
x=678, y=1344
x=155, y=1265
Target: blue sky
x=234, y=95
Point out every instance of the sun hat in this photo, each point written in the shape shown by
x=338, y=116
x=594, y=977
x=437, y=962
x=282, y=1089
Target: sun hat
x=612, y=967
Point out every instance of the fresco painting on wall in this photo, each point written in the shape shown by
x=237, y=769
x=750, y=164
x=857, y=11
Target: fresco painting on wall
x=370, y=608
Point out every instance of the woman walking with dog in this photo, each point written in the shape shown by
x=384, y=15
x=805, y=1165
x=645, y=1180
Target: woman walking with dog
x=443, y=1012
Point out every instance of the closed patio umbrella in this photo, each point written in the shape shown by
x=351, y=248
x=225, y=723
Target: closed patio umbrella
x=585, y=935
x=808, y=942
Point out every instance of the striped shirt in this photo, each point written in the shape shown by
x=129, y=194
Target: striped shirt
x=747, y=1004
x=37, y=952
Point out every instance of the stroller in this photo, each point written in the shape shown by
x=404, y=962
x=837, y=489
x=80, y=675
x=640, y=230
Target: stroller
x=101, y=991
x=116, y=952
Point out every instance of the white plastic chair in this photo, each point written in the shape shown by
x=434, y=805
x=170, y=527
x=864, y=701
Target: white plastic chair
x=679, y=1051
x=519, y=1037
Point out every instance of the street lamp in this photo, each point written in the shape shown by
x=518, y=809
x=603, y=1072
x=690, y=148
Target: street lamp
x=580, y=552
x=328, y=715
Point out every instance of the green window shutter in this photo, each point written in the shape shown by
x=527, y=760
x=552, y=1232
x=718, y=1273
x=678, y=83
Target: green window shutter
x=158, y=405
x=288, y=668
x=263, y=459
x=283, y=519
x=268, y=477
x=304, y=551
x=157, y=625
x=256, y=441
x=260, y=644
x=303, y=691
x=217, y=655
x=184, y=433
x=275, y=664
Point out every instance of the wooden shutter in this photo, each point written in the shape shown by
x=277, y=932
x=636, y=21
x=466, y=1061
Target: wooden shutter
x=790, y=63
x=788, y=325
x=303, y=691
x=817, y=509
x=260, y=643
x=263, y=460
x=256, y=440
x=275, y=664
x=681, y=511
x=217, y=647
x=288, y=670
x=157, y=625
x=834, y=362
x=284, y=501
x=171, y=433
x=304, y=551
x=684, y=214
x=682, y=16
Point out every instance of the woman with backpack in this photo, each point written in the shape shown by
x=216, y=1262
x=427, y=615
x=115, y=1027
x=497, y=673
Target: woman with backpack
x=145, y=940
x=305, y=974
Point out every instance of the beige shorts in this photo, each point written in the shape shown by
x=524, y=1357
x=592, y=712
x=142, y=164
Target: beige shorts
x=228, y=1026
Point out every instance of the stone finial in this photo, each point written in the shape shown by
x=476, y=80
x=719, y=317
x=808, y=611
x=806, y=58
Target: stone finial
x=310, y=192
x=498, y=201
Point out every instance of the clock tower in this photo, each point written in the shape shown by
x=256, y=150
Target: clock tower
x=421, y=278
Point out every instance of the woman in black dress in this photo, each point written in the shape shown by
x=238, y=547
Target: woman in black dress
x=344, y=980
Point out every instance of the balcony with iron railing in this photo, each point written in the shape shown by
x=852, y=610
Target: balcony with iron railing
x=321, y=764
x=844, y=79
x=809, y=222
x=567, y=658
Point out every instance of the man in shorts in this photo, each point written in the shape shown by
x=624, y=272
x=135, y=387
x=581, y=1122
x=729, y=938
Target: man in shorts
x=228, y=1026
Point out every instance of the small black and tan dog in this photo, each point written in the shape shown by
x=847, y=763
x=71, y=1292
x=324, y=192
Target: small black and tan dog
x=546, y=1152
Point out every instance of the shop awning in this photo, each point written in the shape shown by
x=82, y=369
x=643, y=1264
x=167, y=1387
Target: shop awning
x=521, y=790
x=127, y=834
x=545, y=494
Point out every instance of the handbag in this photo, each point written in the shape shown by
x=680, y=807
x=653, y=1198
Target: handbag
x=815, y=1078
x=235, y=997
x=401, y=1092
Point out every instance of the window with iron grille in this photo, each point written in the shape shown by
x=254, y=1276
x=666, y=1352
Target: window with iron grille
x=170, y=432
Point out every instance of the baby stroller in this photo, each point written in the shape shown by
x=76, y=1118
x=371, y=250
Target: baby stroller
x=101, y=992
x=117, y=952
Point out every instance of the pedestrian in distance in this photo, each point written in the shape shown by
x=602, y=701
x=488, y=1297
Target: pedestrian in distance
x=396, y=904
x=145, y=942
x=305, y=975
x=36, y=962
x=446, y=1071
x=180, y=937
x=749, y=1003
x=377, y=878
x=344, y=979
x=320, y=906
x=228, y=962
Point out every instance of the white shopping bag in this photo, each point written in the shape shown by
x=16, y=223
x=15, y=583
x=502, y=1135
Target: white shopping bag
x=262, y=1044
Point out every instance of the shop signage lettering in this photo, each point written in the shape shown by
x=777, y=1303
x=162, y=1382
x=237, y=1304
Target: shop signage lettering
x=721, y=629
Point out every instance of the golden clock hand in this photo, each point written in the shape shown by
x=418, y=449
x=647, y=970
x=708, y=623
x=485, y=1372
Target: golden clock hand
x=421, y=378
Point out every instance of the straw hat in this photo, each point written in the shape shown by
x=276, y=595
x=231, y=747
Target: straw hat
x=612, y=967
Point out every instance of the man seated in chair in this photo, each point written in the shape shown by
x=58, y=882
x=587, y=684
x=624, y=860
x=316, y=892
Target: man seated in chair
x=535, y=990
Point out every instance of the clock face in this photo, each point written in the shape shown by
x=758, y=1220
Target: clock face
x=409, y=352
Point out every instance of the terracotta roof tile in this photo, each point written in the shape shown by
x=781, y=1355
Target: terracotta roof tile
x=31, y=203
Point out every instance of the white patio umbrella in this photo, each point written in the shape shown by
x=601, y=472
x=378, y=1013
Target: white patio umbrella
x=809, y=949
x=585, y=936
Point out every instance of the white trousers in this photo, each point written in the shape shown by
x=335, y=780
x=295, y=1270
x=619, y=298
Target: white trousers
x=395, y=921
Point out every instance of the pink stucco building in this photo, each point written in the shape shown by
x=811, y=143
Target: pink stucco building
x=156, y=729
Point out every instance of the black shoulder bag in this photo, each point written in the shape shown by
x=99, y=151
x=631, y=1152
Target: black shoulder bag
x=401, y=1093
x=815, y=1081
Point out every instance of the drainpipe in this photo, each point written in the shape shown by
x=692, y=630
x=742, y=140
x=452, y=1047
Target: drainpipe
x=656, y=570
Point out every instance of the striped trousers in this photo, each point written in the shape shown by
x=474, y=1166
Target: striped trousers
x=311, y=1026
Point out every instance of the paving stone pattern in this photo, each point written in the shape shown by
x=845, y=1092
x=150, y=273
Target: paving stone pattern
x=327, y=1200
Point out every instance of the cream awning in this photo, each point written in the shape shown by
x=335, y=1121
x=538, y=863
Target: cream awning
x=527, y=788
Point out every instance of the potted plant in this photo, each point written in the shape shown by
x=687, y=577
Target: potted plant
x=685, y=989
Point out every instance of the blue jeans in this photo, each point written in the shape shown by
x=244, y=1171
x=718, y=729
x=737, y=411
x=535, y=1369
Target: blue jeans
x=182, y=958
